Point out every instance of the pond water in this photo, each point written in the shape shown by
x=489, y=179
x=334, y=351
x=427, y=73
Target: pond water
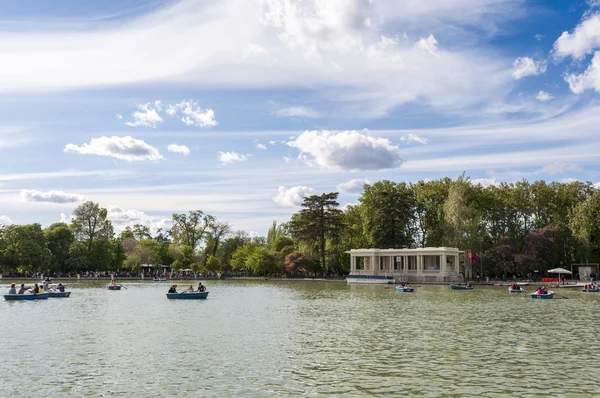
x=274, y=338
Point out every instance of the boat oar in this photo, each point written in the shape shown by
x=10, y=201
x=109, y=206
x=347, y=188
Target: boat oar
x=562, y=297
x=124, y=287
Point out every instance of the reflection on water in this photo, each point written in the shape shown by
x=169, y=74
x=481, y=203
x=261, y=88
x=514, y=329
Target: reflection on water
x=299, y=338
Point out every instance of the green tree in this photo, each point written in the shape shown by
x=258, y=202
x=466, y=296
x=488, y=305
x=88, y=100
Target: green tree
x=262, y=261
x=389, y=211
x=59, y=239
x=189, y=230
x=585, y=224
x=318, y=220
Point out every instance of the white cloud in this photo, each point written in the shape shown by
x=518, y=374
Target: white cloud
x=184, y=150
x=230, y=157
x=484, y=182
x=525, y=66
x=322, y=44
x=147, y=116
x=428, y=44
x=119, y=116
x=538, y=36
x=66, y=218
x=121, y=218
x=126, y=148
x=410, y=138
x=560, y=168
x=544, y=96
x=348, y=150
x=584, y=39
x=353, y=186
x=4, y=220
x=193, y=115
x=31, y=195
x=261, y=146
x=590, y=79
x=297, y=111
x=293, y=196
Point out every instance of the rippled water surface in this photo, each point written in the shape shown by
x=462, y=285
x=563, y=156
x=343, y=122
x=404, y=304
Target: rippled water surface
x=300, y=338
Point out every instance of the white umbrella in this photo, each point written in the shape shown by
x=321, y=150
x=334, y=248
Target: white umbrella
x=559, y=271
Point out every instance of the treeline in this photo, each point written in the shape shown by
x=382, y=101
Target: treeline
x=515, y=228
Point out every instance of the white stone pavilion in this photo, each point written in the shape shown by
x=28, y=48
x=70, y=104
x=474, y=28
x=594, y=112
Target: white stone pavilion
x=429, y=264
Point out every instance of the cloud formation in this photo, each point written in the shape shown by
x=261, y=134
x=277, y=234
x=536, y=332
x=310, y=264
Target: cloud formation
x=413, y=138
x=4, y=220
x=525, y=66
x=347, y=150
x=560, y=168
x=428, y=44
x=293, y=196
x=193, y=115
x=297, y=111
x=343, y=46
x=182, y=149
x=147, y=116
x=121, y=218
x=353, y=186
x=584, y=39
x=31, y=195
x=125, y=148
x=230, y=157
x=544, y=96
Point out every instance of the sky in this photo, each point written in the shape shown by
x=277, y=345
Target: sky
x=240, y=108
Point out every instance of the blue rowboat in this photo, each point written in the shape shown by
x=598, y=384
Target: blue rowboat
x=113, y=287
x=188, y=296
x=519, y=290
x=461, y=287
x=591, y=290
x=548, y=295
x=405, y=289
x=58, y=294
x=13, y=297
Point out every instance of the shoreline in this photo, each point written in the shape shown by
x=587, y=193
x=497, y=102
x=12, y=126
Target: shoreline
x=8, y=280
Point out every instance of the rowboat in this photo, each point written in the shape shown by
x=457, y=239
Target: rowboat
x=402, y=289
x=461, y=287
x=591, y=290
x=113, y=287
x=188, y=296
x=13, y=297
x=58, y=294
x=548, y=295
x=519, y=290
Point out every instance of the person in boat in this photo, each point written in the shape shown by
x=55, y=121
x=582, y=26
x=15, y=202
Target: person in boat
x=173, y=289
x=468, y=285
x=36, y=289
x=201, y=287
x=190, y=289
x=60, y=288
x=22, y=289
x=13, y=289
x=113, y=283
x=540, y=290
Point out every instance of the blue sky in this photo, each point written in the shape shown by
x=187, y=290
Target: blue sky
x=240, y=108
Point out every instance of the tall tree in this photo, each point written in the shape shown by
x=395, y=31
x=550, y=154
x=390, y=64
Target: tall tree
x=189, y=230
x=90, y=222
x=389, y=213
x=59, y=239
x=319, y=220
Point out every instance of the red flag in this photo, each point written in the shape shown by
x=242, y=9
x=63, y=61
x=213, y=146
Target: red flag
x=474, y=257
